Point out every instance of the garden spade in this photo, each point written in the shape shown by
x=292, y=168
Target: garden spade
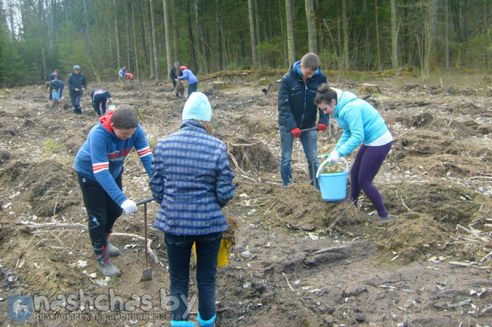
x=147, y=272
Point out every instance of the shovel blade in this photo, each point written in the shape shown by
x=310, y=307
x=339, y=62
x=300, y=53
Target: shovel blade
x=147, y=274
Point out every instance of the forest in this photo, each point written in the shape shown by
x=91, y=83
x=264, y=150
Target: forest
x=148, y=36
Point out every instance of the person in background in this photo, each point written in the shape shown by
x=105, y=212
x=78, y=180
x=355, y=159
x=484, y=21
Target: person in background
x=122, y=73
x=361, y=124
x=56, y=86
x=192, y=180
x=188, y=76
x=76, y=85
x=99, y=166
x=297, y=111
x=52, y=76
x=173, y=75
x=99, y=99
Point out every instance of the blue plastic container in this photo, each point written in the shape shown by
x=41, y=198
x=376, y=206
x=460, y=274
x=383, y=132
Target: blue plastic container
x=333, y=186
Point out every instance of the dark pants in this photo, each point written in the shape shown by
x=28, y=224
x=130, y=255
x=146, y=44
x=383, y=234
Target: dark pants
x=192, y=88
x=366, y=165
x=178, y=254
x=75, y=97
x=101, y=210
x=99, y=102
x=310, y=151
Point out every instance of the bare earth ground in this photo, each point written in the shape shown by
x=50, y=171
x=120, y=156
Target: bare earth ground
x=298, y=261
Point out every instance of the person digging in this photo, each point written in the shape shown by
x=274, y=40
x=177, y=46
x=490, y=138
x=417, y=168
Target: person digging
x=99, y=166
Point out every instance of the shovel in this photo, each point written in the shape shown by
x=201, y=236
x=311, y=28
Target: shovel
x=147, y=272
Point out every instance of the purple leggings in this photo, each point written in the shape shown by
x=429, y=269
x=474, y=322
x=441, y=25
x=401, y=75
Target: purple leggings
x=366, y=165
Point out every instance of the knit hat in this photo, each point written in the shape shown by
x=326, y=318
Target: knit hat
x=197, y=107
x=76, y=67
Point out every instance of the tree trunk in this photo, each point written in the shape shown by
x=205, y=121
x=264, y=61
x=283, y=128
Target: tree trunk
x=191, y=37
x=175, y=29
x=154, y=41
x=252, y=33
x=256, y=12
x=148, y=38
x=346, y=64
x=127, y=32
x=378, y=46
x=311, y=23
x=116, y=32
x=218, y=22
x=446, y=33
x=283, y=34
x=291, y=49
x=87, y=30
x=135, y=43
x=166, y=32
x=394, y=36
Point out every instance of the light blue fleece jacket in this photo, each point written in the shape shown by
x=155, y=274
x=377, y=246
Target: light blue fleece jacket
x=360, y=121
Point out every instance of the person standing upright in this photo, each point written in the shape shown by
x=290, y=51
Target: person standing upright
x=297, y=111
x=76, y=84
x=174, y=74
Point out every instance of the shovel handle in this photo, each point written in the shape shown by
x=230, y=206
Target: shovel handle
x=309, y=129
x=144, y=201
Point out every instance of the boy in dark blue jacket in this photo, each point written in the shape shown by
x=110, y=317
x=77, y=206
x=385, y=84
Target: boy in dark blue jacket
x=297, y=111
x=56, y=86
x=76, y=84
x=99, y=99
x=99, y=164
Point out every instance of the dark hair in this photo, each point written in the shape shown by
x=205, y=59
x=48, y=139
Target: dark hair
x=310, y=61
x=325, y=94
x=125, y=118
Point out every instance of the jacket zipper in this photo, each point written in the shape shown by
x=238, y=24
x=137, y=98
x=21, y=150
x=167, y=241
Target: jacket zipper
x=305, y=98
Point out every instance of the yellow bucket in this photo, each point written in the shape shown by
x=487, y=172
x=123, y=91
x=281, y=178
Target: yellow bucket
x=224, y=251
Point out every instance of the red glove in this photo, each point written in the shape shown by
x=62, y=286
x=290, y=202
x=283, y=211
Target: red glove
x=322, y=127
x=296, y=132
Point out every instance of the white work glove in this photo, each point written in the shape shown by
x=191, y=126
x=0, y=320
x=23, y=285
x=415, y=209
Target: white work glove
x=129, y=207
x=333, y=157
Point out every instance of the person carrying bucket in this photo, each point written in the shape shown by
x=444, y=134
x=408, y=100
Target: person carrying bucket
x=192, y=180
x=361, y=124
x=297, y=114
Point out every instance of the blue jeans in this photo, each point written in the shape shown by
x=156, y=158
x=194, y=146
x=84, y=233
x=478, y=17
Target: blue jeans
x=178, y=254
x=286, y=144
x=75, y=97
x=98, y=103
x=192, y=88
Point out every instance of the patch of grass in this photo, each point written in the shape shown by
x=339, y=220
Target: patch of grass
x=52, y=146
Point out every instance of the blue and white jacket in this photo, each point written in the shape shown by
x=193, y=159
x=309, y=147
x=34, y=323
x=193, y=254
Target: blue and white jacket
x=192, y=181
x=360, y=121
x=102, y=155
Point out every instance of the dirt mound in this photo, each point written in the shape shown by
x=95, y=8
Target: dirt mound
x=420, y=120
x=251, y=154
x=424, y=143
x=46, y=186
x=450, y=203
x=299, y=206
x=410, y=238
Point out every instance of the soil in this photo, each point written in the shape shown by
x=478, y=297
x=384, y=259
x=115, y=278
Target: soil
x=297, y=260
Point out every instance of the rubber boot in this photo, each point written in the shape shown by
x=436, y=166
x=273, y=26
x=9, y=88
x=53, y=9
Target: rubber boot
x=206, y=323
x=182, y=323
x=112, y=250
x=105, y=266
